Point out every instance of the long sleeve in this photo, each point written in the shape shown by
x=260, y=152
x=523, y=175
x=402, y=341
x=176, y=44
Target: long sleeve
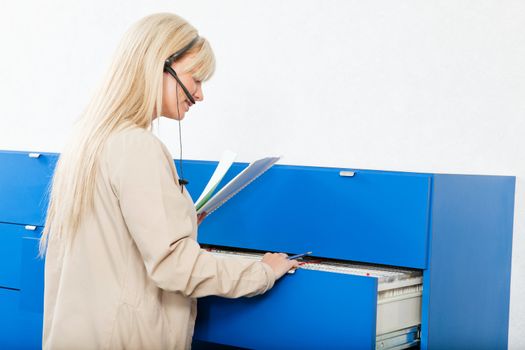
x=161, y=221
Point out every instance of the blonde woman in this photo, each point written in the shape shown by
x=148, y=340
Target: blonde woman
x=123, y=268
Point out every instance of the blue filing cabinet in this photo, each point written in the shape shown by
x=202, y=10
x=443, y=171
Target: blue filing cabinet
x=455, y=230
x=24, y=180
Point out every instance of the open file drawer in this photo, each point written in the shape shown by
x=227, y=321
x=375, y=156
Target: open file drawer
x=325, y=305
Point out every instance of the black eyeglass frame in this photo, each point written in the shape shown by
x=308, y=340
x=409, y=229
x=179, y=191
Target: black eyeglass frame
x=169, y=61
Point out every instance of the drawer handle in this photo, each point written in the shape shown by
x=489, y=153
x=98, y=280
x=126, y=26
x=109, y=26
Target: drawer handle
x=347, y=173
x=30, y=227
x=34, y=155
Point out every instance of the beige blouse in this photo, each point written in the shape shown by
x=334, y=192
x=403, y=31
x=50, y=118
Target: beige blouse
x=131, y=274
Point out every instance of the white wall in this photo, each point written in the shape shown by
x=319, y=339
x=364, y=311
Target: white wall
x=429, y=86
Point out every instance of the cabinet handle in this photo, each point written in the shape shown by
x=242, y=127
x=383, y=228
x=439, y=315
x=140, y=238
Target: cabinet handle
x=30, y=227
x=34, y=155
x=347, y=173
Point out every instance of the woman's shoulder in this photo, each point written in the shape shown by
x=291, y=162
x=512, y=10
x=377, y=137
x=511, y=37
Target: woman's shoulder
x=133, y=154
x=133, y=137
x=133, y=141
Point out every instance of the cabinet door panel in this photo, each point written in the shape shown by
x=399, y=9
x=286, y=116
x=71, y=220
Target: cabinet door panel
x=373, y=216
x=11, y=253
x=32, y=277
x=18, y=329
x=24, y=183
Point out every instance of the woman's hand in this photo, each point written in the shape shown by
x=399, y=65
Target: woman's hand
x=201, y=217
x=279, y=263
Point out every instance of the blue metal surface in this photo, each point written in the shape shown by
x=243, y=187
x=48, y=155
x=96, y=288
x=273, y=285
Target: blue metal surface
x=32, y=277
x=23, y=186
x=21, y=305
x=424, y=309
x=11, y=237
x=467, y=285
x=309, y=310
x=18, y=329
x=375, y=217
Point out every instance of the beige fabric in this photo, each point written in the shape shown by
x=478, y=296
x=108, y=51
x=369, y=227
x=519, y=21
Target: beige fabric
x=130, y=277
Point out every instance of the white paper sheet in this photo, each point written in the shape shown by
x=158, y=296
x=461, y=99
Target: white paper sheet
x=225, y=163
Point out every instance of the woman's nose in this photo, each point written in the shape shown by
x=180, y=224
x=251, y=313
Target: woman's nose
x=198, y=95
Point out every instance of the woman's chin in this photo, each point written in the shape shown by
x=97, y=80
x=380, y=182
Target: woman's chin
x=176, y=117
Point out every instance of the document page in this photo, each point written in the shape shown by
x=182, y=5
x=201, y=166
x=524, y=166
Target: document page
x=224, y=165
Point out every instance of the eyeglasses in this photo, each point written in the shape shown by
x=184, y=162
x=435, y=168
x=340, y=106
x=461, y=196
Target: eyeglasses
x=169, y=61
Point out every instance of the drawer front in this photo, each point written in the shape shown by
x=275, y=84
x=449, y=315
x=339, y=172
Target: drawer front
x=12, y=257
x=18, y=329
x=24, y=181
x=309, y=309
x=376, y=217
x=32, y=277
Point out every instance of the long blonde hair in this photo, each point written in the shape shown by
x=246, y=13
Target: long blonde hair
x=130, y=95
